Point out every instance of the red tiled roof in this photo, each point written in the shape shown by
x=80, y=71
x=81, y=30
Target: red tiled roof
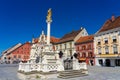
x=70, y=36
x=52, y=40
x=109, y=24
x=85, y=39
x=19, y=47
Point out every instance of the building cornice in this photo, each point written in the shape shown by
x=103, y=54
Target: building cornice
x=108, y=31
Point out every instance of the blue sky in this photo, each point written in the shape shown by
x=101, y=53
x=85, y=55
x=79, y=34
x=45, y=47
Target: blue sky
x=20, y=19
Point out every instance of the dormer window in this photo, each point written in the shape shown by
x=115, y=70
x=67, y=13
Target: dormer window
x=106, y=40
x=114, y=39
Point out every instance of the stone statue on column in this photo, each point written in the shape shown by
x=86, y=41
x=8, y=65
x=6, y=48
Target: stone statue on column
x=49, y=14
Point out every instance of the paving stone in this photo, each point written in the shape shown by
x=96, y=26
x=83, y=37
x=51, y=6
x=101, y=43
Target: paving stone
x=9, y=72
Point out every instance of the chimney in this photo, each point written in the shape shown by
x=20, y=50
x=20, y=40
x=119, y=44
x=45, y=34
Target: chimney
x=113, y=18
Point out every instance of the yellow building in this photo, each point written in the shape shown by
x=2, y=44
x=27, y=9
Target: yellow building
x=107, y=43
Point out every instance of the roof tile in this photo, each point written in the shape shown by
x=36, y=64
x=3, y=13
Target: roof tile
x=85, y=39
x=109, y=24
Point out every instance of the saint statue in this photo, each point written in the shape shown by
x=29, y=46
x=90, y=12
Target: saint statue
x=49, y=14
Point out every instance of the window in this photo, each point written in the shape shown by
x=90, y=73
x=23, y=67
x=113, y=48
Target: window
x=83, y=55
x=70, y=45
x=83, y=47
x=107, y=50
x=65, y=46
x=82, y=33
x=106, y=40
x=60, y=46
x=115, y=50
x=99, y=50
x=56, y=47
x=89, y=47
x=19, y=56
x=114, y=39
x=4, y=57
x=78, y=48
x=70, y=52
x=99, y=42
x=14, y=56
x=90, y=54
x=118, y=32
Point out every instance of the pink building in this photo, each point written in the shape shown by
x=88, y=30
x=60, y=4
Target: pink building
x=85, y=49
x=22, y=53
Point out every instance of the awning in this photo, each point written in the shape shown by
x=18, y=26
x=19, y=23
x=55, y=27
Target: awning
x=82, y=59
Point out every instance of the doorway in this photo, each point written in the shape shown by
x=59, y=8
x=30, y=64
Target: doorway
x=107, y=62
x=117, y=62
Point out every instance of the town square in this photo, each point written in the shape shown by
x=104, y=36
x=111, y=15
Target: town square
x=95, y=73
x=60, y=40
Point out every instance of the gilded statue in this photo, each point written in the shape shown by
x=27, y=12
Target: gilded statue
x=49, y=14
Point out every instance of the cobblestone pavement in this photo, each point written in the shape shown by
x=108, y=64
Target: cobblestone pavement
x=9, y=72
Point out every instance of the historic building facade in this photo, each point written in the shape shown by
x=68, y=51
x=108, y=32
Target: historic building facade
x=19, y=53
x=4, y=57
x=67, y=43
x=85, y=49
x=107, y=43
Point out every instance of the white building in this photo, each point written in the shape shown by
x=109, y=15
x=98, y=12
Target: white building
x=67, y=42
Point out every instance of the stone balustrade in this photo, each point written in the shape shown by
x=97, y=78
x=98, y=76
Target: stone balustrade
x=83, y=66
x=28, y=67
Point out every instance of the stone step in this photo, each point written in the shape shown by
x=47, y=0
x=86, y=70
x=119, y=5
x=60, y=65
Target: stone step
x=71, y=74
x=71, y=71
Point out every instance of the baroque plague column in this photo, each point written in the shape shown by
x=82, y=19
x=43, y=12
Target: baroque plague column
x=44, y=59
x=49, y=20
